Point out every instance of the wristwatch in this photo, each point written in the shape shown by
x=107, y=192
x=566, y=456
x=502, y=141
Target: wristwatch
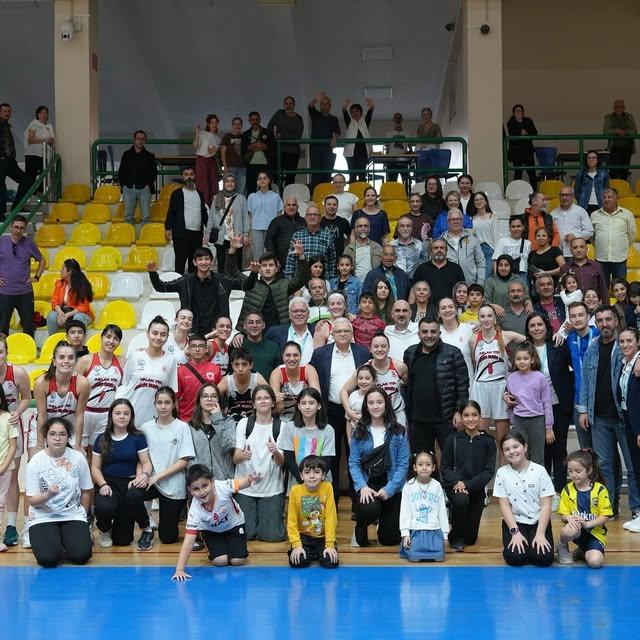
x=514, y=531
x=36, y=278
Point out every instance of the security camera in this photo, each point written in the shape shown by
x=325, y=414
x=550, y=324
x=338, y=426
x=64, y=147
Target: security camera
x=484, y=29
x=450, y=26
x=67, y=30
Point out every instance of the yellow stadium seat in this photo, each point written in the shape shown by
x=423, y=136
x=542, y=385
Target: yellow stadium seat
x=107, y=194
x=78, y=193
x=119, y=216
x=105, y=259
x=633, y=275
x=99, y=284
x=621, y=186
x=34, y=375
x=633, y=261
x=46, y=353
x=139, y=257
x=69, y=253
x=49, y=235
x=632, y=203
x=152, y=234
x=552, y=203
x=550, y=188
x=22, y=348
x=14, y=323
x=321, y=191
x=62, y=212
x=85, y=234
x=158, y=211
x=117, y=312
x=45, y=254
x=392, y=191
x=168, y=189
x=96, y=213
x=637, y=187
x=42, y=306
x=591, y=252
x=43, y=290
x=392, y=226
x=395, y=208
x=358, y=188
x=94, y=342
x=120, y=234
x=360, y=204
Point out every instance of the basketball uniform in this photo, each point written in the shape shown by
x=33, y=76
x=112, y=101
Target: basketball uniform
x=490, y=378
x=391, y=382
x=239, y=404
x=291, y=391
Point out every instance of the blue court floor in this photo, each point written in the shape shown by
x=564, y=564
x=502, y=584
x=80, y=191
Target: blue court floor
x=352, y=602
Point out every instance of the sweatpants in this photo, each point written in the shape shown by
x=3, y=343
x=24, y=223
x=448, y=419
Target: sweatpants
x=49, y=540
x=533, y=429
x=314, y=550
x=263, y=517
x=530, y=556
x=466, y=512
x=170, y=512
x=120, y=510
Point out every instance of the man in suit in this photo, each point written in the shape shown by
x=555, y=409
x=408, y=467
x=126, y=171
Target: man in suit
x=186, y=221
x=397, y=278
x=297, y=331
x=335, y=363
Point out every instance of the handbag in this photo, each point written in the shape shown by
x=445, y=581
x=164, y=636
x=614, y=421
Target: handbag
x=214, y=234
x=376, y=463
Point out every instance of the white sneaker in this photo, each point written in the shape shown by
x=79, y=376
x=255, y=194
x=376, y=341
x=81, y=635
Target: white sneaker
x=354, y=542
x=155, y=505
x=564, y=555
x=152, y=523
x=555, y=502
x=105, y=540
x=26, y=542
x=633, y=525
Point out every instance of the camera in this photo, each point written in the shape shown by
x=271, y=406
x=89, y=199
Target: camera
x=450, y=26
x=484, y=29
x=67, y=30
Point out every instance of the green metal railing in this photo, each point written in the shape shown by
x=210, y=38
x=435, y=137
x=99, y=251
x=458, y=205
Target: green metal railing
x=561, y=167
x=51, y=182
x=97, y=175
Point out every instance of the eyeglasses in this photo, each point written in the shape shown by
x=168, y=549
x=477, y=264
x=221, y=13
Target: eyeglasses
x=197, y=347
x=57, y=436
x=208, y=396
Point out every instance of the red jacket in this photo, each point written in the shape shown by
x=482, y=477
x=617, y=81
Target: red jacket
x=189, y=385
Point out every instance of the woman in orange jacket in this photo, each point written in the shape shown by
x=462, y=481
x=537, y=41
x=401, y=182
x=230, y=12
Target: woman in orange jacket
x=72, y=296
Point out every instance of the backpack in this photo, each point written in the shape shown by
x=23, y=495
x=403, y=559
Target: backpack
x=251, y=423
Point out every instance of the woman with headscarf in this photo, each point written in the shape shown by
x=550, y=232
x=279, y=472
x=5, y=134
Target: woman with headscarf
x=496, y=286
x=228, y=218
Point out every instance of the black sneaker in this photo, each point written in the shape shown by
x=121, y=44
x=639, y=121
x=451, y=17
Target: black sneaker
x=361, y=534
x=11, y=536
x=198, y=545
x=145, y=543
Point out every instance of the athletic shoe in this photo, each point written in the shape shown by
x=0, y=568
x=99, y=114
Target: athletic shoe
x=145, y=543
x=633, y=525
x=360, y=534
x=152, y=523
x=555, y=502
x=155, y=504
x=564, y=555
x=456, y=546
x=198, y=544
x=105, y=540
x=10, y=536
x=26, y=542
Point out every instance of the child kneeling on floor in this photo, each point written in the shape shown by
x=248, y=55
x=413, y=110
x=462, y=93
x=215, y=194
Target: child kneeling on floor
x=312, y=517
x=216, y=515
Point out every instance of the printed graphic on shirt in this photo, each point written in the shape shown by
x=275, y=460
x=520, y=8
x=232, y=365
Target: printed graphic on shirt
x=311, y=510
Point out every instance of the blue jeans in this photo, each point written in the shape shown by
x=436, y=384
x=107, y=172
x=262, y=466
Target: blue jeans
x=54, y=327
x=584, y=437
x=606, y=434
x=240, y=174
x=131, y=195
x=488, y=258
x=613, y=270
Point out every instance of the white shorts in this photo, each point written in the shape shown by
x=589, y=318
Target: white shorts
x=94, y=424
x=20, y=442
x=489, y=396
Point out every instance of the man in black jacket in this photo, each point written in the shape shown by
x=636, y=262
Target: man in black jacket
x=136, y=175
x=438, y=384
x=257, y=150
x=281, y=230
x=186, y=221
x=440, y=274
x=205, y=293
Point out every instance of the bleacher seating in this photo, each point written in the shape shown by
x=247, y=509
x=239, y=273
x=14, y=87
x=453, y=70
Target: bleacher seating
x=105, y=259
x=96, y=213
x=321, y=191
x=392, y=191
x=621, y=186
x=168, y=189
x=94, y=342
x=117, y=312
x=43, y=290
x=501, y=208
x=76, y=193
x=62, y=213
x=358, y=188
x=155, y=308
x=550, y=188
x=518, y=189
x=139, y=257
x=299, y=191
x=49, y=235
x=120, y=234
x=127, y=286
x=85, y=234
x=34, y=375
x=152, y=234
x=22, y=348
x=395, y=208
x=632, y=203
x=165, y=276
x=46, y=352
x=107, y=194
x=69, y=253
x=492, y=189
x=520, y=206
x=158, y=210
x=99, y=285
x=119, y=215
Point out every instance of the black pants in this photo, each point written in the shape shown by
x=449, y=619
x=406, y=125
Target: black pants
x=357, y=163
x=170, y=512
x=321, y=157
x=393, y=170
x=221, y=255
x=120, y=510
x=9, y=169
x=634, y=450
x=49, y=540
x=555, y=455
x=530, y=555
x=33, y=166
x=23, y=304
x=385, y=512
x=466, y=512
x=252, y=176
x=314, y=550
x=424, y=435
x=337, y=419
x=524, y=158
x=184, y=248
x=620, y=154
x=288, y=162
x=591, y=208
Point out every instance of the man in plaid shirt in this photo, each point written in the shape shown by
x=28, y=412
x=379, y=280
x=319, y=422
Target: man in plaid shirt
x=316, y=241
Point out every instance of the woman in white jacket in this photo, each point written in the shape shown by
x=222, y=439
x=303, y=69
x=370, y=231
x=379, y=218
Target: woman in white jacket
x=38, y=132
x=357, y=153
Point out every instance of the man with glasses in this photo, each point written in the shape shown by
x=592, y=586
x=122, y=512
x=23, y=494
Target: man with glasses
x=572, y=221
x=16, y=283
x=317, y=241
x=281, y=230
x=137, y=175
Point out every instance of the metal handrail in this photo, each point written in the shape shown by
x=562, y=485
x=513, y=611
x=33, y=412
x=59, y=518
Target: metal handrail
x=579, y=138
x=51, y=181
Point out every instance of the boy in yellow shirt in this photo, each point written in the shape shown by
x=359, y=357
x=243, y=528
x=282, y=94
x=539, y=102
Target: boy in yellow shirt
x=312, y=518
x=475, y=295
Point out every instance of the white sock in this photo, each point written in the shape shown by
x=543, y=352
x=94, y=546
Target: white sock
x=12, y=518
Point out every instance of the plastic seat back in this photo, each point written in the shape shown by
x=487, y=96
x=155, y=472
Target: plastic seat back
x=152, y=234
x=43, y=290
x=165, y=276
x=492, y=189
x=139, y=258
x=120, y=234
x=117, y=312
x=86, y=234
x=107, y=194
x=96, y=213
x=62, y=212
x=94, y=343
x=550, y=188
x=299, y=191
x=392, y=191
x=158, y=211
x=153, y=308
x=168, y=189
x=77, y=193
x=99, y=285
x=632, y=203
x=46, y=353
x=128, y=286
x=357, y=188
x=321, y=191
x=621, y=186
x=395, y=208
x=105, y=259
x=22, y=348
x=49, y=235
x=69, y=253
x=517, y=189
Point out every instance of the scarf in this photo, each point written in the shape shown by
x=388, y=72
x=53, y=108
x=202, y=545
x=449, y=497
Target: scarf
x=504, y=256
x=219, y=199
x=354, y=127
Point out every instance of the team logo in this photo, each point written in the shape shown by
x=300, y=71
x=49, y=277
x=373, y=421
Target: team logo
x=209, y=375
x=140, y=364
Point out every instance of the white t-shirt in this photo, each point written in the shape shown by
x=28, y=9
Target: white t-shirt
x=400, y=341
x=143, y=376
x=168, y=444
x=171, y=347
x=460, y=337
x=226, y=512
x=512, y=248
x=192, y=211
x=346, y=200
x=377, y=433
x=523, y=490
x=207, y=139
x=261, y=461
x=71, y=473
